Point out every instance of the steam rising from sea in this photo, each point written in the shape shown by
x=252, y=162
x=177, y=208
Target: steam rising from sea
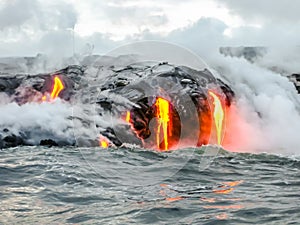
x=264, y=118
x=266, y=114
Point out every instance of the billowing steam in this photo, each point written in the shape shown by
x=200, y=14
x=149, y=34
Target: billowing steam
x=39, y=121
x=266, y=114
x=264, y=117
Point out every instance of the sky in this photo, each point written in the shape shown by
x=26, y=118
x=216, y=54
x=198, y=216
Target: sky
x=29, y=27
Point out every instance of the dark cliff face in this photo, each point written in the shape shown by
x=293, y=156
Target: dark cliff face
x=137, y=85
x=295, y=78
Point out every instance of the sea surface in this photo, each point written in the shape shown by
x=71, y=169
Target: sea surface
x=50, y=185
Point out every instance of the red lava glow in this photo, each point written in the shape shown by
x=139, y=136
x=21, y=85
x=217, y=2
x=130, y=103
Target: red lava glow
x=218, y=115
x=164, y=122
x=56, y=89
x=238, y=131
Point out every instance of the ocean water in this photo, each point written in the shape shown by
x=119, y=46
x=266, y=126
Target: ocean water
x=41, y=185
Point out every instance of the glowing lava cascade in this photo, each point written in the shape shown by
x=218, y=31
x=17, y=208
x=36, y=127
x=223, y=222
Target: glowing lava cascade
x=103, y=142
x=218, y=115
x=127, y=119
x=164, y=121
x=174, y=106
x=57, y=88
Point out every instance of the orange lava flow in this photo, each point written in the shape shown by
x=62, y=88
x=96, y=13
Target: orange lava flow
x=127, y=119
x=163, y=115
x=57, y=88
x=218, y=115
x=103, y=142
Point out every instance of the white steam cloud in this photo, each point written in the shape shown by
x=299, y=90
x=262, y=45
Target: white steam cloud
x=266, y=114
x=40, y=120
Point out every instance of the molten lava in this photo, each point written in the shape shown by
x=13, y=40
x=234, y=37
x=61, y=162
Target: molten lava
x=57, y=88
x=164, y=121
x=103, y=142
x=127, y=119
x=218, y=115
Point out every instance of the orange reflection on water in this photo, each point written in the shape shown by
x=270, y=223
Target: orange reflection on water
x=223, y=206
x=232, y=199
x=173, y=199
x=210, y=200
x=227, y=187
x=224, y=191
x=220, y=193
x=233, y=183
x=222, y=216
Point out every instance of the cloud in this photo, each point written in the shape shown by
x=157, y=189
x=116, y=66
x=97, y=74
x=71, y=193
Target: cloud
x=264, y=11
x=26, y=24
x=30, y=27
x=36, y=15
x=16, y=12
x=55, y=16
x=205, y=35
x=137, y=15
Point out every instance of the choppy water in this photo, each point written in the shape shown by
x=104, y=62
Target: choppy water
x=64, y=185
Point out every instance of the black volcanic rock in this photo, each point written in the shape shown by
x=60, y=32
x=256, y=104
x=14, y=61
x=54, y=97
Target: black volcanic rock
x=130, y=83
x=10, y=140
x=48, y=142
x=295, y=78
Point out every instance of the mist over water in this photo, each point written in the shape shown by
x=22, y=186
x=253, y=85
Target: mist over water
x=42, y=120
